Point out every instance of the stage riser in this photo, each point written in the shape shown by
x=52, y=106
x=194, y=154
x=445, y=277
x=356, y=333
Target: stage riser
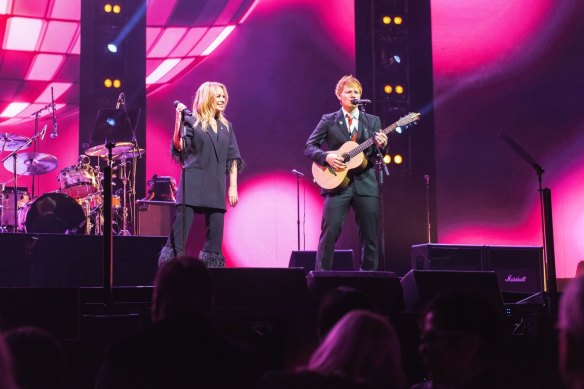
x=58, y=260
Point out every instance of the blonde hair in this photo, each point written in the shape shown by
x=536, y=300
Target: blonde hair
x=347, y=81
x=362, y=346
x=204, y=104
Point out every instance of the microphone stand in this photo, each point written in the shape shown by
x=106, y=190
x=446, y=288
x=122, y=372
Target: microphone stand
x=550, y=287
x=298, y=175
x=183, y=178
x=380, y=168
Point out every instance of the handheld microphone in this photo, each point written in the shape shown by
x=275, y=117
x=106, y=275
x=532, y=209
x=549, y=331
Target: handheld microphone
x=185, y=111
x=296, y=172
x=54, y=134
x=360, y=101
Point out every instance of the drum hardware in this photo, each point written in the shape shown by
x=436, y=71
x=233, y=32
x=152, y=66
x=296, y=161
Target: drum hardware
x=11, y=142
x=102, y=151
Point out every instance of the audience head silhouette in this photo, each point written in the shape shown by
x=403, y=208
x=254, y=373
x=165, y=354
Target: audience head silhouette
x=35, y=350
x=571, y=334
x=460, y=338
x=7, y=380
x=338, y=302
x=182, y=286
x=362, y=347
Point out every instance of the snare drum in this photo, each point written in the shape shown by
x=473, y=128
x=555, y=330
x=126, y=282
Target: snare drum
x=52, y=213
x=78, y=181
x=8, y=213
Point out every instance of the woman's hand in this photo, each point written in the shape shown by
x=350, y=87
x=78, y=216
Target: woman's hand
x=232, y=194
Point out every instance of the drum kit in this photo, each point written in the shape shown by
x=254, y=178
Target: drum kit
x=76, y=207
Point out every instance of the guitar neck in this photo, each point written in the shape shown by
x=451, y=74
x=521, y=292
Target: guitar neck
x=370, y=141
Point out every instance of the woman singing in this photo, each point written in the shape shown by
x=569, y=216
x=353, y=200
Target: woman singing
x=209, y=153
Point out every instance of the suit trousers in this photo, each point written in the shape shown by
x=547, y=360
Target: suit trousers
x=214, y=220
x=334, y=213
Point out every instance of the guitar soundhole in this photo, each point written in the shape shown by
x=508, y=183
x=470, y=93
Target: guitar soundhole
x=346, y=157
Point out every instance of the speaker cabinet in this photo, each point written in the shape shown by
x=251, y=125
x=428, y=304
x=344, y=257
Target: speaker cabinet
x=447, y=257
x=420, y=286
x=518, y=268
x=383, y=288
x=342, y=260
x=155, y=218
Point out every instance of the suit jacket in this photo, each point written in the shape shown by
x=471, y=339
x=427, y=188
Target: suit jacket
x=206, y=164
x=333, y=130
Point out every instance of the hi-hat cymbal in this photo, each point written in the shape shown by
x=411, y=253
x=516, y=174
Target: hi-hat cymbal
x=129, y=154
x=11, y=142
x=31, y=164
x=102, y=151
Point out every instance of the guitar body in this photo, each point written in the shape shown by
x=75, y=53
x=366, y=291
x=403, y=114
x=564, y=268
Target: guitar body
x=337, y=180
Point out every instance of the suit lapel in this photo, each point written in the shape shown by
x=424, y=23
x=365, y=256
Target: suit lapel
x=342, y=123
x=211, y=134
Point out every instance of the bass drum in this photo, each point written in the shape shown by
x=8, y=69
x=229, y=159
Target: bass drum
x=52, y=213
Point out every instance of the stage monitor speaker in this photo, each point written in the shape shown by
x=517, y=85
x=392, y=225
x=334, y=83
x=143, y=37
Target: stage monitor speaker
x=383, y=288
x=155, y=218
x=258, y=292
x=420, y=286
x=342, y=260
x=518, y=269
x=447, y=257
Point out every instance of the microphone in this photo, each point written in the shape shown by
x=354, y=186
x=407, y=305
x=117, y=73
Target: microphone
x=54, y=134
x=297, y=173
x=185, y=111
x=360, y=101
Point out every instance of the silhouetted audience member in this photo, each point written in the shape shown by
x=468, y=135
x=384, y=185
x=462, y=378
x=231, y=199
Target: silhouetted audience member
x=571, y=334
x=182, y=348
x=360, y=351
x=460, y=342
x=7, y=380
x=336, y=303
x=38, y=359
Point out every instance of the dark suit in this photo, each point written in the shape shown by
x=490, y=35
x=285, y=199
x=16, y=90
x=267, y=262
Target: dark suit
x=361, y=194
x=208, y=159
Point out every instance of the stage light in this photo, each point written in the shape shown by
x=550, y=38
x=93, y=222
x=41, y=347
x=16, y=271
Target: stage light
x=386, y=20
x=397, y=159
x=387, y=89
x=398, y=20
x=396, y=59
x=107, y=83
x=399, y=89
x=117, y=83
x=117, y=9
x=112, y=48
x=107, y=8
x=387, y=159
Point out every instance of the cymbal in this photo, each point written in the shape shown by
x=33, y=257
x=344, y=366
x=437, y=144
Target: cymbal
x=11, y=142
x=102, y=151
x=129, y=154
x=32, y=164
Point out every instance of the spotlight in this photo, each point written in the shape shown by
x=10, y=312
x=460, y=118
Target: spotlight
x=111, y=121
x=399, y=89
x=397, y=159
x=386, y=20
x=117, y=9
x=107, y=8
x=387, y=159
x=387, y=89
x=117, y=83
x=112, y=48
x=396, y=59
x=398, y=20
x=107, y=83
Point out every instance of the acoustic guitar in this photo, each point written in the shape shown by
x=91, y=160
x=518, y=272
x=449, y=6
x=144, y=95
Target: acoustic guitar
x=352, y=152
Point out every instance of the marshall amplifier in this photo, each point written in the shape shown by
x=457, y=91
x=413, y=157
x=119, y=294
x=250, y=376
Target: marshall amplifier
x=518, y=268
